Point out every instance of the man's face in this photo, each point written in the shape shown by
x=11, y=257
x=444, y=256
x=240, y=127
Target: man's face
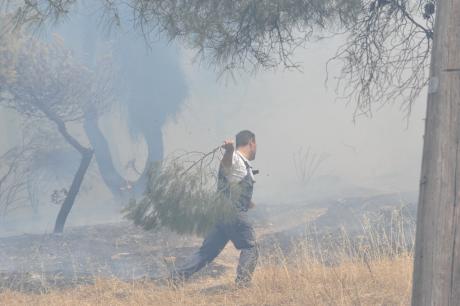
x=252, y=149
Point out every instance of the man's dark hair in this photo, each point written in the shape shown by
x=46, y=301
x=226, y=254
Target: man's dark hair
x=244, y=137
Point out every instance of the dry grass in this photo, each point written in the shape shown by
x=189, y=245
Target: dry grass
x=304, y=282
x=373, y=270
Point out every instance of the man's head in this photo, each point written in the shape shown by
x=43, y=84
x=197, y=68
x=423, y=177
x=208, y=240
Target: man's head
x=246, y=144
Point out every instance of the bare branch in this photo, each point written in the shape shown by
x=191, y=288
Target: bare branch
x=385, y=57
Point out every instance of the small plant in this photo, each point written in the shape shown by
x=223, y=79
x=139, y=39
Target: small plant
x=307, y=163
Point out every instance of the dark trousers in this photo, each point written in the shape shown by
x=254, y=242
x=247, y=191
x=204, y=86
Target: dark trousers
x=241, y=233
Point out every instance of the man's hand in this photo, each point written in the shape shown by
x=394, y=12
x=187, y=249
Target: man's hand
x=229, y=145
x=227, y=159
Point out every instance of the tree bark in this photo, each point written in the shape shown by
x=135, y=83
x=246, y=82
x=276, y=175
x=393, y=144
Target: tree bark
x=436, y=275
x=112, y=179
x=110, y=175
x=86, y=155
x=73, y=191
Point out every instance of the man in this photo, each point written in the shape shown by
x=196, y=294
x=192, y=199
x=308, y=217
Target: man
x=234, y=171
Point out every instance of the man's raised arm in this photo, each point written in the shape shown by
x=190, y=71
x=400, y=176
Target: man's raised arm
x=227, y=159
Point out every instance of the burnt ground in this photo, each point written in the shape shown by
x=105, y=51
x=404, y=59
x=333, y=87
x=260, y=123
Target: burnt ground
x=35, y=262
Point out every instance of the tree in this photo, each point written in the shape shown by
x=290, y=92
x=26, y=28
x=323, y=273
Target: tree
x=150, y=86
x=384, y=58
x=25, y=170
x=14, y=178
x=44, y=81
x=386, y=55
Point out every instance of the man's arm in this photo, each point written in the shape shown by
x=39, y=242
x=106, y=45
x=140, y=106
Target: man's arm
x=227, y=159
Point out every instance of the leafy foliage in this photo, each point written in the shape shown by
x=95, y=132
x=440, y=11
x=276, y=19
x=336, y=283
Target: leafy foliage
x=384, y=58
x=40, y=76
x=21, y=167
x=229, y=34
x=244, y=34
x=386, y=54
x=181, y=198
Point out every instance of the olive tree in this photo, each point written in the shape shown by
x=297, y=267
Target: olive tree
x=43, y=81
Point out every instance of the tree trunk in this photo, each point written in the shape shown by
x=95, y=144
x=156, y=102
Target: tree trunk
x=87, y=155
x=110, y=175
x=437, y=248
x=73, y=191
x=112, y=179
x=154, y=142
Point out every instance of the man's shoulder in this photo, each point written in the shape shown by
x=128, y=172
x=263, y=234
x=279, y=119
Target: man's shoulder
x=238, y=160
x=238, y=166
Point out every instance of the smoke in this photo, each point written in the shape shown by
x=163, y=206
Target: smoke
x=166, y=102
x=292, y=111
x=149, y=87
